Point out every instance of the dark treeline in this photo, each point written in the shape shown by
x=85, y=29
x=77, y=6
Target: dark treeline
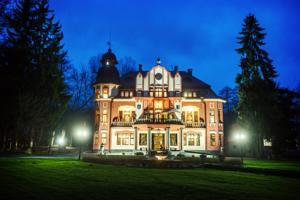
x=43, y=95
x=264, y=109
x=33, y=63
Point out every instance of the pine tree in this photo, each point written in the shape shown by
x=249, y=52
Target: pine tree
x=257, y=87
x=35, y=64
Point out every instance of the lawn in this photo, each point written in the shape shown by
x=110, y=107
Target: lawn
x=26, y=178
x=273, y=164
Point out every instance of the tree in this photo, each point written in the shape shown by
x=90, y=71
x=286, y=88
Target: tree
x=256, y=84
x=286, y=120
x=3, y=14
x=34, y=71
x=127, y=64
x=230, y=96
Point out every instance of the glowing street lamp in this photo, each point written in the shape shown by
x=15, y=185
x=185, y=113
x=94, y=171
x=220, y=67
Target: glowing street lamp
x=81, y=134
x=240, y=137
x=61, y=141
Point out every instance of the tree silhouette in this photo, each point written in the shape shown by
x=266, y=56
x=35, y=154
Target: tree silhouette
x=256, y=85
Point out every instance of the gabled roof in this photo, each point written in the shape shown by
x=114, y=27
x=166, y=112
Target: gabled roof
x=189, y=82
x=128, y=80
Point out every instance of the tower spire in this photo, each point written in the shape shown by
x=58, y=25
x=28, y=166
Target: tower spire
x=158, y=61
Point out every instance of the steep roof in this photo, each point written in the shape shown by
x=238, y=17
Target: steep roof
x=108, y=73
x=189, y=82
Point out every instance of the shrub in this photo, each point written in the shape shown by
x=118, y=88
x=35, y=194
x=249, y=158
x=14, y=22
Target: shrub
x=180, y=155
x=139, y=153
x=202, y=157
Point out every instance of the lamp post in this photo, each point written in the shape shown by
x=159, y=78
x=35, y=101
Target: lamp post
x=81, y=134
x=241, y=138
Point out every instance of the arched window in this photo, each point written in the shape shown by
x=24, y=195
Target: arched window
x=190, y=114
x=126, y=113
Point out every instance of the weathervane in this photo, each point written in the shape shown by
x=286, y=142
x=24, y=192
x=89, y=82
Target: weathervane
x=109, y=41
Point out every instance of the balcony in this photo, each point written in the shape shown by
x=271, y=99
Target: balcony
x=158, y=121
x=122, y=124
x=194, y=124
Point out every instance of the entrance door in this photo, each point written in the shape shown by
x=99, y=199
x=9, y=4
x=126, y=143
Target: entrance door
x=158, y=141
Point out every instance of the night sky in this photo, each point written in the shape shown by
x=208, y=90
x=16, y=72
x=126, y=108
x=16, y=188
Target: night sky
x=195, y=34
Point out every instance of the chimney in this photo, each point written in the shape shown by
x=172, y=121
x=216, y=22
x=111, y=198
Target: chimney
x=190, y=71
x=140, y=67
x=176, y=68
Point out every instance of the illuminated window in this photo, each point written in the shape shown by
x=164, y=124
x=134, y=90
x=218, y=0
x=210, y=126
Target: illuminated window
x=96, y=138
x=189, y=116
x=105, y=92
x=143, y=139
x=126, y=94
x=158, y=104
x=126, y=113
x=194, y=94
x=196, y=118
x=103, y=137
x=173, y=139
x=191, y=139
x=158, y=92
x=211, y=105
x=104, y=116
x=220, y=116
x=131, y=93
x=211, y=116
x=212, y=139
x=125, y=139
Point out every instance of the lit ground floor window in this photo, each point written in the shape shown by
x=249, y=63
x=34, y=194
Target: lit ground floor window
x=125, y=139
x=143, y=139
x=191, y=139
x=103, y=137
x=212, y=139
x=173, y=139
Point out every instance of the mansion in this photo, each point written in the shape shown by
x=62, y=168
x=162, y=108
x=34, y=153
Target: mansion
x=155, y=110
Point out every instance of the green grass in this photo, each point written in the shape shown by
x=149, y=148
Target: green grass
x=273, y=164
x=26, y=178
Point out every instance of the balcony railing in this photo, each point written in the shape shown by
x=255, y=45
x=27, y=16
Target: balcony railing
x=194, y=124
x=122, y=124
x=158, y=121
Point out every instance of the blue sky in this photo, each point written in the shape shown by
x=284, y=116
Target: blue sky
x=198, y=34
